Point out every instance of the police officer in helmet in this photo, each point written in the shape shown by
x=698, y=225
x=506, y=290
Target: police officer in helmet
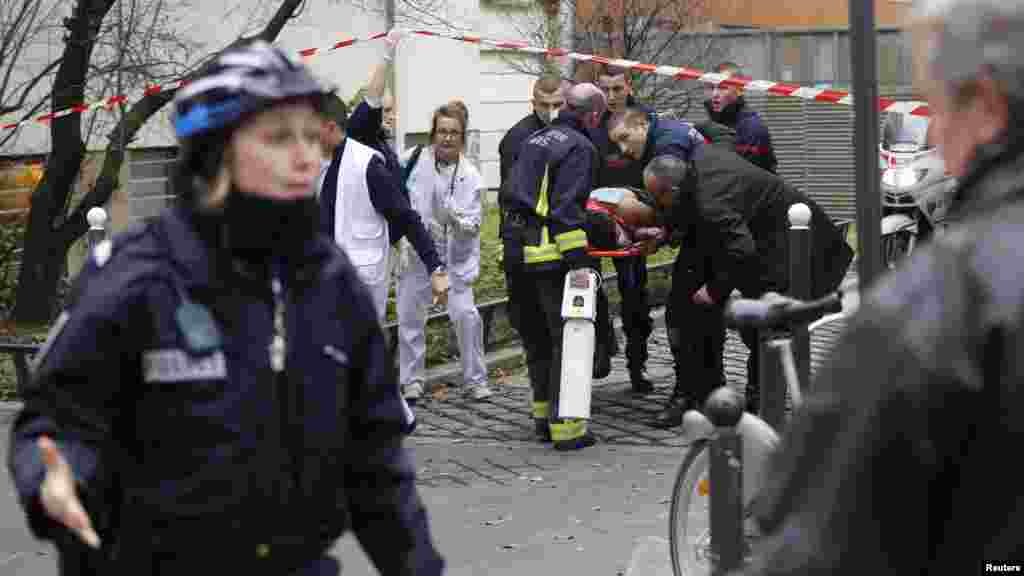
x=217, y=397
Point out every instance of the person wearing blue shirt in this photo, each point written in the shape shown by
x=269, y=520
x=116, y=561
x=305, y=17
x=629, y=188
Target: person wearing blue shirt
x=640, y=135
x=362, y=169
x=726, y=105
x=617, y=170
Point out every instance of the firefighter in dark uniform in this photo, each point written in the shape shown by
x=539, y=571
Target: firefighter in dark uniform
x=544, y=230
x=726, y=105
x=217, y=397
x=548, y=98
x=631, y=272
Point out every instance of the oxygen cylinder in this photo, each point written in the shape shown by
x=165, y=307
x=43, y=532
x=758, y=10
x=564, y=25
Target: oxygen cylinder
x=579, y=311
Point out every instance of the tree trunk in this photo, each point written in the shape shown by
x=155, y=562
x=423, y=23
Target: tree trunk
x=43, y=259
x=42, y=264
x=51, y=231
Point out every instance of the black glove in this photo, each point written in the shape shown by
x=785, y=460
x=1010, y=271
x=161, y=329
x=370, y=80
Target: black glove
x=578, y=258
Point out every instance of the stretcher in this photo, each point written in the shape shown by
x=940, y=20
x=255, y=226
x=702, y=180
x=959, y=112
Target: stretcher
x=621, y=221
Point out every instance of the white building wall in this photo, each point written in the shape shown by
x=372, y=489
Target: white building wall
x=504, y=100
x=430, y=70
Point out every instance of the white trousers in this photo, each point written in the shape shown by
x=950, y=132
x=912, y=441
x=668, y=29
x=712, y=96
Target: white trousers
x=379, y=291
x=414, y=297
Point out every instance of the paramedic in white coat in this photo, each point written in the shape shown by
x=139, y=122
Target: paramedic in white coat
x=362, y=207
x=444, y=187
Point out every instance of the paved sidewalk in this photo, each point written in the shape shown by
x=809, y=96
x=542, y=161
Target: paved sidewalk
x=505, y=509
x=501, y=504
x=496, y=508
x=618, y=416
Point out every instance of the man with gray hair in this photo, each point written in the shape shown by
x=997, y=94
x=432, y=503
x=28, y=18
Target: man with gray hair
x=731, y=216
x=889, y=467
x=543, y=233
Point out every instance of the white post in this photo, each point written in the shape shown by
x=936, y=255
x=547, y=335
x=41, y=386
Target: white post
x=97, y=219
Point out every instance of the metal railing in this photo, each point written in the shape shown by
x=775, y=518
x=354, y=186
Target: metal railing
x=491, y=311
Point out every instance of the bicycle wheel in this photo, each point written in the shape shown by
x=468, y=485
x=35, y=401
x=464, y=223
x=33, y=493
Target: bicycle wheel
x=690, y=515
x=689, y=531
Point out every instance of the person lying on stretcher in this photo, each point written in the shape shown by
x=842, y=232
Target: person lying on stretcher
x=622, y=222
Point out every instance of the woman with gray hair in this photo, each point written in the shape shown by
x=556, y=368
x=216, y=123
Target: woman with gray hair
x=889, y=468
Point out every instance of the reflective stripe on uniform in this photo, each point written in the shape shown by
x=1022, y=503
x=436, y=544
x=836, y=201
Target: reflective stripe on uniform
x=546, y=251
x=568, y=429
x=571, y=240
x=542, y=196
x=541, y=409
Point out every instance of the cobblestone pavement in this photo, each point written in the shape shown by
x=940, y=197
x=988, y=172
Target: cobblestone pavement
x=618, y=417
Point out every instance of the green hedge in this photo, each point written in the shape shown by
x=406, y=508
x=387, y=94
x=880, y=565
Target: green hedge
x=440, y=346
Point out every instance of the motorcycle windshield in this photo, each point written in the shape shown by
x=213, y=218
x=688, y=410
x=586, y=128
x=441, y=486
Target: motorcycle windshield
x=905, y=133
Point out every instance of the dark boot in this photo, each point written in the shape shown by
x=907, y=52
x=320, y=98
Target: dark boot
x=639, y=383
x=542, y=430
x=602, y=362
x=636, y=359
x=672, y=415
x=604, y=350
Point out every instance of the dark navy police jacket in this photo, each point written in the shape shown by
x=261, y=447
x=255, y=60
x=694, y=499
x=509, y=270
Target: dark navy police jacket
x=753, y=141
x=548, y=188
x=187, y=459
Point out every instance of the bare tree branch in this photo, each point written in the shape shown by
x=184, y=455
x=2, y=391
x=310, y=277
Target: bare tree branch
x=10, y=134
x=132, y=121
x=149, y=49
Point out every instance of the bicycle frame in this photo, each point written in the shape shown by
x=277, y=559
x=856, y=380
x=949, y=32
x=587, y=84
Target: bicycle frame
x=728, y=446
x=784, y=348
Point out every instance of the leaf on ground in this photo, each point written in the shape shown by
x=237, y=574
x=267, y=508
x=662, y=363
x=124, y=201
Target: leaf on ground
x=439, y=392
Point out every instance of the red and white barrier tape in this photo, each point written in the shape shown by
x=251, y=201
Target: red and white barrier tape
x=681, y=73
x=775, y=88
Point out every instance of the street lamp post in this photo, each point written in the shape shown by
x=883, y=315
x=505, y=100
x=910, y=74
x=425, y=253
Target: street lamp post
x=864, y=56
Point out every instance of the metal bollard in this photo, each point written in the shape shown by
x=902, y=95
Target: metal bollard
x=724, y=408
x=725, y=476
x=800, y=245
x=773, y=384
x=97, y=219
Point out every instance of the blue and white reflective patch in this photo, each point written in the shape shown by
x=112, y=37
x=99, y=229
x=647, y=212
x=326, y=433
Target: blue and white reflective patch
x=178, y=366
x=337, y=355
x=51, y=337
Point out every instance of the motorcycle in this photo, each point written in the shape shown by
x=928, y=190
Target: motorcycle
x=916, y=189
